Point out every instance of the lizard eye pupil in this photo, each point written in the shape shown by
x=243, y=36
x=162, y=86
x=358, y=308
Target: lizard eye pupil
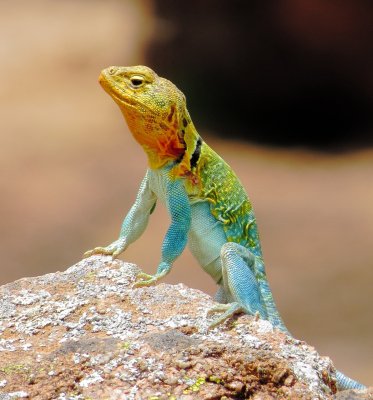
x=137, y=81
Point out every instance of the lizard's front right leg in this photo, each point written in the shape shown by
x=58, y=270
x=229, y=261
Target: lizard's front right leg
x=133, y=225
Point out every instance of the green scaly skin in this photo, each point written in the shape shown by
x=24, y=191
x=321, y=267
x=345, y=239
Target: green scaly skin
x=209, y=209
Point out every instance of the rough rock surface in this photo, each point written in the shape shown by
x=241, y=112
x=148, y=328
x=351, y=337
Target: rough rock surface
x=87, y=334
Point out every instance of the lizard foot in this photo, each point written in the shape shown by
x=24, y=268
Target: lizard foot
x=228, y=311
x=114, y=249
x=145, y=280
x=148, y=280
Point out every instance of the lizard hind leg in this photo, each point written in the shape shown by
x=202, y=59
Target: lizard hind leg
x=239, y=284
x=244, y=279
x=239, y=279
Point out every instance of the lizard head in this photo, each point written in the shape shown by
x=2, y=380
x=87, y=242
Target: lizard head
x=155, y=111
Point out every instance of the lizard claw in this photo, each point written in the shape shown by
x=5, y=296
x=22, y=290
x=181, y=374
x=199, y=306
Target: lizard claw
x=145, y=280
x=218, y=308
x=148, y=280
x=97, y=250
x=114, y=249
x=228, y=311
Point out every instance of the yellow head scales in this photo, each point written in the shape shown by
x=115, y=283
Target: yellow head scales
x=155, y=111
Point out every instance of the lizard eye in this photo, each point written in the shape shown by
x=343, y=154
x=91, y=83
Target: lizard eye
x=137, y=81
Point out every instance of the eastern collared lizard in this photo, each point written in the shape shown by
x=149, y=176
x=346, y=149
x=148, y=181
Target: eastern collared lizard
x=208, y=206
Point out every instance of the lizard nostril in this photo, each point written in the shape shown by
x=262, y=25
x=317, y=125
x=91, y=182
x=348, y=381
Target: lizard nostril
x=112, y=70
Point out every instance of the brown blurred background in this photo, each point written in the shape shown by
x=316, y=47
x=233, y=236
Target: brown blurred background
x=286, y=86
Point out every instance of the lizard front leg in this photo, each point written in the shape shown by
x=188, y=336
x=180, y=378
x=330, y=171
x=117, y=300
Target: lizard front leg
x=177, y=235
x=134, y=224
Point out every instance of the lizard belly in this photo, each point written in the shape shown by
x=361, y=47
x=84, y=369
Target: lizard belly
x=206, y=238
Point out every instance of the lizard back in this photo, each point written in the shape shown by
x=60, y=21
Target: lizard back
x=228, y=200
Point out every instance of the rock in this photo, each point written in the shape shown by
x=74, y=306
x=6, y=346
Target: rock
x=86, y=333
x=355, y=394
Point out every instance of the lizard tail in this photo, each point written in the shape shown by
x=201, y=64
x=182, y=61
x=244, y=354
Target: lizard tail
x=272, y=311
x=344, y=382
x=269, y=302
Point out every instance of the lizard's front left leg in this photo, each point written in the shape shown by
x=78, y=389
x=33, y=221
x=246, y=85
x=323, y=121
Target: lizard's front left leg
x=177, y=235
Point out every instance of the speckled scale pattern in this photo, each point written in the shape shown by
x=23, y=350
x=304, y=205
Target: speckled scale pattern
x=228, y=199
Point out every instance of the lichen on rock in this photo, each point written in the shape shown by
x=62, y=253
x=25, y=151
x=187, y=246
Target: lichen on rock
x=87, y=334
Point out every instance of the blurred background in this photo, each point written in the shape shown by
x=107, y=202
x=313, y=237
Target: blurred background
x=281, y=89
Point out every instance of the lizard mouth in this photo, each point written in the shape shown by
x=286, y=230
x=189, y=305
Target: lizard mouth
x=128, y=102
